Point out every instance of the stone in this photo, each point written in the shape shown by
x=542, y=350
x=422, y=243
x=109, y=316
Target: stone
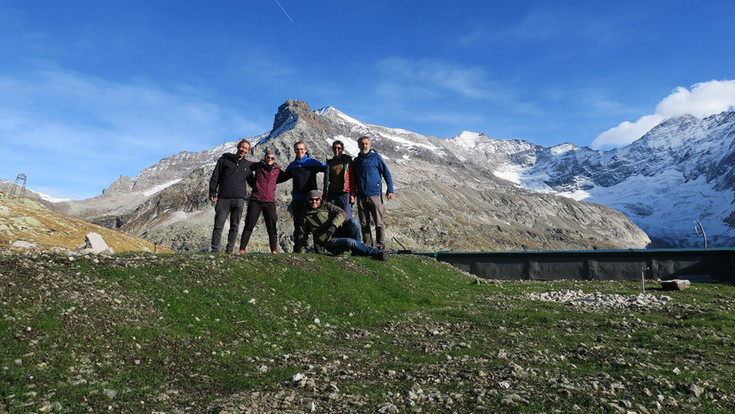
x=696, y=390
x=23, y=244
x=32, y=221
x=675, y=284
x=96, y=244
x=388, y=408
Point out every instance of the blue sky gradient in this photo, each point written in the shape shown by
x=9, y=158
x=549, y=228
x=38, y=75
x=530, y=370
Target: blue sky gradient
x=92, y=90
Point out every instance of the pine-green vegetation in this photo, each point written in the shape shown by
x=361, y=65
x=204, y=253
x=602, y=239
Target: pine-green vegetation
x=302, y=333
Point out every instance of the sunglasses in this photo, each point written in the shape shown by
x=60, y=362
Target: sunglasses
x=270, y=158
x=339, y=148
x=314, y=199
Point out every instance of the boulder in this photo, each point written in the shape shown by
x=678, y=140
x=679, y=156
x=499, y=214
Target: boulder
x=675, y=284
x=96, y=244
x=23, y=244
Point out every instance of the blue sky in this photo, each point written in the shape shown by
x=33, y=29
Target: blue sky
x=92, y=90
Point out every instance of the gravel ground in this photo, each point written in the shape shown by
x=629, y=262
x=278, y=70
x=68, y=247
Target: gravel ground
x=507, y=379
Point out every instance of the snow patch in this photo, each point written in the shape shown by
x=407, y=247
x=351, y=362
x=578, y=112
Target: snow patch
x=404, y=141
x=467, y=139
x=577, y=195
x=350, y=119
x=562, y=148
x=52, y=199
x=160, y=187
x=509, y=172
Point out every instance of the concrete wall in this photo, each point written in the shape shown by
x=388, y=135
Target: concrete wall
x=712, y=265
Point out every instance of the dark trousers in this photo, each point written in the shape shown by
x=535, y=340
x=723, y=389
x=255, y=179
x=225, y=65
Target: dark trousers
x=298, y=211
x=226, y=208
x=251, y=219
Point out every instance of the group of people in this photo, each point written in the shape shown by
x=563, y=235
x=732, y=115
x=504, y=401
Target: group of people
x=327, y=216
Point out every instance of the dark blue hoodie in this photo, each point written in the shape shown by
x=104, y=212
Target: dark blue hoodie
x=303, y=171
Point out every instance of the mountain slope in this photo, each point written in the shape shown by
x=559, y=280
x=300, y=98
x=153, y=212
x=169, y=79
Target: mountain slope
x=443, y=201
x=27, y=221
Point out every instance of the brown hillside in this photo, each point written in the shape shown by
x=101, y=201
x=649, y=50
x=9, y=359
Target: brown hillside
x=24, y=220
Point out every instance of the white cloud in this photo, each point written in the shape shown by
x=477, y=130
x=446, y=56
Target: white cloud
x=627, y=132
x=704, y=99
x=69, y=130
x=429, y=75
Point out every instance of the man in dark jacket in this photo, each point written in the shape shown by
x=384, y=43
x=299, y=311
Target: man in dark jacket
x=229, y=189
x=303, y=171
x=370, y=170
x=334, y=231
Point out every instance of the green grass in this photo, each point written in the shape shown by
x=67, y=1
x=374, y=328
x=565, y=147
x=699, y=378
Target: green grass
x=175, y=332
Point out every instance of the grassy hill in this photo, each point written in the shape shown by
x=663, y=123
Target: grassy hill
x=314, y=333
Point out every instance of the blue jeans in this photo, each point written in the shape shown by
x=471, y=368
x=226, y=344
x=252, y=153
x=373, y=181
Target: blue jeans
x=347, y=237
x=341, y=200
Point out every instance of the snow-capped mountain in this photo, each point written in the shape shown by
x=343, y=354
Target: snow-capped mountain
x=680, y=172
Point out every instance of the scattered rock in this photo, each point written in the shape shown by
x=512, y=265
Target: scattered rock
x=388, y=408
x=597, y=299
x=695, y=390
x=675, y=284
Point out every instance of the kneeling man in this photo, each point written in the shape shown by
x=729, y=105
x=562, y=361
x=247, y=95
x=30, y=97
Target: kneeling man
x=334, y=231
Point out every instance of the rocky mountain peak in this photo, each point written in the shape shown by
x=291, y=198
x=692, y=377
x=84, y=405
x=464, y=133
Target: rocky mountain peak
x=122, y=185
x=290, y=113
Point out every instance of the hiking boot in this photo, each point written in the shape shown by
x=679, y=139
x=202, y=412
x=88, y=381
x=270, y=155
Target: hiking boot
x=383, y=255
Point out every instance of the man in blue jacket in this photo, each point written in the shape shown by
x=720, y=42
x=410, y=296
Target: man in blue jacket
x=228, y=187
x=303, y=171
x=370, y=170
